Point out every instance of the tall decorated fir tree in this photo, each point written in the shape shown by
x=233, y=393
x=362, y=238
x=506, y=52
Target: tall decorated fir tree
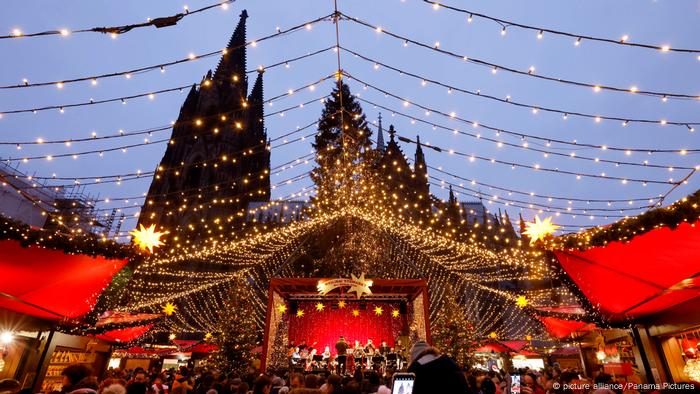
x=339, y=150
x=238, y=334
x=453, y=333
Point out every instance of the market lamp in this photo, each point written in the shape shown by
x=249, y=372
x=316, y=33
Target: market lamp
x=6, y=338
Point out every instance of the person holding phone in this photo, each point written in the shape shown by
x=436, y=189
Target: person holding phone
x=435, y=372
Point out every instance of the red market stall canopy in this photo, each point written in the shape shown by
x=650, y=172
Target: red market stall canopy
x=650, y=273
x=494, y=347
x=50, y=284
x=125, y=334
x=563, y=328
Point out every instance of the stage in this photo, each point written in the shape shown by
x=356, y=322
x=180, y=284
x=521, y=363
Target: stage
x=304, y=312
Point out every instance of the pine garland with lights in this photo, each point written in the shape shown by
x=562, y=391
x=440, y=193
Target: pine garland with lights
x=239, y=333
x=686, y=209
x=453, y=333
x=279, y=361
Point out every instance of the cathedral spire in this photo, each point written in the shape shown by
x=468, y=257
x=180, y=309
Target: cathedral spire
x=420, y=157
x=232, y=65
x=452, y=199
x=380, y=136
x=255, y=105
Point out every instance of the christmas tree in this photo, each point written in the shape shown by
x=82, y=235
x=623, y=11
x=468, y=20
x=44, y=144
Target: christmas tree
x=452, y=332
x=238, y=334
x=338, y=149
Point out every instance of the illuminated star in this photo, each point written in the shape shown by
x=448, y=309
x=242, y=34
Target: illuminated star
x=355, y=312
x=171, y=337
x=341, y=304
x=147, y=238
x=320, y=306
x=493, y=335
x=528, y=337
x=300, y=313
x=394, y=313
x=378, y=310
x=207, y=336
x=539, y=229
x=169, y=308
x=360, y=289
x=282, y=308
x=521, y=301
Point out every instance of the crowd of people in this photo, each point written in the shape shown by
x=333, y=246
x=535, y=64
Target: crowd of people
x=434, y=373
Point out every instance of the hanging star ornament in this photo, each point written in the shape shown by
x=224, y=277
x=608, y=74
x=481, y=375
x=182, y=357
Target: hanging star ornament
x=169, y=308
x=378, y=310
x=282, y=308
x=540, y=229
x=147, y=238
x=355, y=312
x=394, y=313
x=300, y=313
x=361, y=286
x=208, y=336
x=341, y=304
x=493, y=335
x=320, y=307
x=521, y=301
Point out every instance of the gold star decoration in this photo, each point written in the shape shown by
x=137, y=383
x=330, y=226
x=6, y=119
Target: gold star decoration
x=378, y=310
x=493, y=335
x=394, y=313
x=208, y=336
x=320, y=307
x=282, y=308
x=341, y=304
x=521, y=301
x=300, y=313
x=528, y=337
x=360, y=289
x=355, y=312
x=147, y=238
x=169, y=308
x=540, y=229
x=171, y=337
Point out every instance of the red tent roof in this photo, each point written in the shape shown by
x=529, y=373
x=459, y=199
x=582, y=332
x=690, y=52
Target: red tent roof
x=50, y=284
x=124, y=334
x=652, y=272
x=495, y=347
x=562, y=328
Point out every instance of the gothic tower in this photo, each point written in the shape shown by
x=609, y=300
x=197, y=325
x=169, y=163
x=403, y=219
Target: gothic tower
x=218, y=158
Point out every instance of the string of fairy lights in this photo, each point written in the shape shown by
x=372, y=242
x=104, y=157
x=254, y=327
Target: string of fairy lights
x=427, y=246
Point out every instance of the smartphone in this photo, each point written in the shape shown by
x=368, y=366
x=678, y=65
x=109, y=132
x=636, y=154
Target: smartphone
x=515, y=384
x=403, y=383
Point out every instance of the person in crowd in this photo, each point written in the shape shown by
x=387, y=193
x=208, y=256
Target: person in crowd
x=262, y=385
x=75, y=377
x=138, y=384
x=158, y=387
x=333, y=385
x=296, y=381
x=435, y=373
x=114, y=388
x=529, y=384
x=311, y=381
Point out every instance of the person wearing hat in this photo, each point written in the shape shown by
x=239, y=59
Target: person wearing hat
x=435, y=373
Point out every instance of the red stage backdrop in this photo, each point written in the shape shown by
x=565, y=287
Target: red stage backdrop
x=327, y=326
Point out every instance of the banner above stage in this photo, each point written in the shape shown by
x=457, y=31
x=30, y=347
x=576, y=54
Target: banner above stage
x=359, y=286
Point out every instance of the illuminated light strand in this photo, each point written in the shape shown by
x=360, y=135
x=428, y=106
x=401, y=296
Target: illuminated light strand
x=95, y=137
x=172, y=141
x=94, y=78
x=425, y=80
x=159, y=22
x=546, y=153
x=298, y=130
x=518, y=134
x=536, y=167
x=124, y=99
x=534, y=205
x=541, y=30
x=528, y=73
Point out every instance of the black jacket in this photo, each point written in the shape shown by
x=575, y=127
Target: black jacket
x=440, y=376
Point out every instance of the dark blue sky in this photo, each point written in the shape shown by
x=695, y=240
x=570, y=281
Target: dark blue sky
x=662, y=22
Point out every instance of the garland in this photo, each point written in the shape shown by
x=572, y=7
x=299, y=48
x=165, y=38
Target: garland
x=70, y=243
x=685, y=210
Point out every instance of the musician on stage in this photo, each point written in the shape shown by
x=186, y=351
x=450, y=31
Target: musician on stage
x=341, y=348
x=384, y=349
x=369, y=351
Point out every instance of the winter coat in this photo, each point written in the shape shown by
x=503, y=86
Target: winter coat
x=438, y=375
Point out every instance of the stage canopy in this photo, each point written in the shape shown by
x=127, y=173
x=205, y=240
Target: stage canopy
x=650, y=273
x=50, y=284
